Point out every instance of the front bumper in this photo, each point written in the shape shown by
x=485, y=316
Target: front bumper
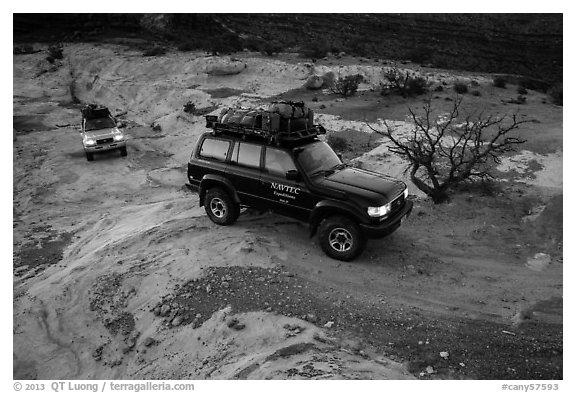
x=389, y=225
x=105, y=147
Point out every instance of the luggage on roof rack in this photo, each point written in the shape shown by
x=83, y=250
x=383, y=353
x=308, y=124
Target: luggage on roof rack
x=283, y=121
x=95, y=111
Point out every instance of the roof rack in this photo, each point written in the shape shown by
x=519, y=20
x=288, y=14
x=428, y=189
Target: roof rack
x=283, y=122
x=95, y=111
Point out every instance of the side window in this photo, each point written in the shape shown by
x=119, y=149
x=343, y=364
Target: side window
x=246, y=154
x=278, y=162
x=215, y=149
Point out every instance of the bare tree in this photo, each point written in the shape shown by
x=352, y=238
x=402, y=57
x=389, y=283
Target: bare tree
x=444, y=151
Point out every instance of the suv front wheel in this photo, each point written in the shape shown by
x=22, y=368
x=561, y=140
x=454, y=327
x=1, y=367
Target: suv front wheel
x=220, y=208
x=340, y=238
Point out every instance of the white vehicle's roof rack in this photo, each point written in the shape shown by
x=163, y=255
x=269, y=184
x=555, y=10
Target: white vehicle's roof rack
x=95, y=111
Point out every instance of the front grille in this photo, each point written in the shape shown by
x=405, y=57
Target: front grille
x=104, y=141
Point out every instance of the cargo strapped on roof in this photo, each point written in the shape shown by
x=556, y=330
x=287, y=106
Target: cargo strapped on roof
x=95, y=111
x=283, y=121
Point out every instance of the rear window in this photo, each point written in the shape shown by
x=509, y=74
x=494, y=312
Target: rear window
x=215, y=149
x=247, y=154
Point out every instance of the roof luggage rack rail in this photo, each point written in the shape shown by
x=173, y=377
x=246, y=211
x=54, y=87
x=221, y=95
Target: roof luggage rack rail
x=271, y=136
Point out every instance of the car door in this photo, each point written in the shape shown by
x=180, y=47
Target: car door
x=288, y=197
x=243, y=171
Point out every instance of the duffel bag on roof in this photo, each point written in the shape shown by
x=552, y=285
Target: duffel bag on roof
x=94, y=111
x=289, y=109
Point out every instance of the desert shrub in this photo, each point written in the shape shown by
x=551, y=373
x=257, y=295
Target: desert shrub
x=155, y=50
x=474, y=83
x=476, y=93
x=315, y=49
x=329, y=79
x=271, y=47
x=55, y=52
x=522, y=90
x=460, y=87
x=499, y=82
x=556, y=94
x=337, y=142
x=439, y=88
x=189, y=107
x=348, y=85
x=314, y=99
x=416, y=86
x=403, y=83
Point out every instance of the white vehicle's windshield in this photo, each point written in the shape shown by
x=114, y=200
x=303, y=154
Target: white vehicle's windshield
x=99, y=123
x=317, y=158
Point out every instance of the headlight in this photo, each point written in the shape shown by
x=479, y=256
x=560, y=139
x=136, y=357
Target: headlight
x=89, y=142
x=118, y=137
x=406, y=193
x=379, y=211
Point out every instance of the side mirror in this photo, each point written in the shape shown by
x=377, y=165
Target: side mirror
x=293, y=175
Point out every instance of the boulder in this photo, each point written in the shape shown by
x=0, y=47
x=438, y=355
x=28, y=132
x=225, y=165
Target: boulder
x=225, y=67
x=314, y=82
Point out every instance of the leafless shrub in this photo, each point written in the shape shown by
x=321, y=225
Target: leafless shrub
x=404, y=83
x=347, y=86
x=443, y=152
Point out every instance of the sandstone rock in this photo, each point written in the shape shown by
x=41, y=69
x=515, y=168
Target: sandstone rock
x=225, y=67
x=164, y=310
x=314, y=82
x=177, y=321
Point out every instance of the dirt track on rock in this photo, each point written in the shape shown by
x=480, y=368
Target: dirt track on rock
x=99, y=246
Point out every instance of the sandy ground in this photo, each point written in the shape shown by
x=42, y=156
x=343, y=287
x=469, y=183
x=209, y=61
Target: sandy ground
x=118, y=273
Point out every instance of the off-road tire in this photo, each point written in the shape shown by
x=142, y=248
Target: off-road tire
x=90, y=156
x=123, y=151
x=220, y=207
x=341, y=238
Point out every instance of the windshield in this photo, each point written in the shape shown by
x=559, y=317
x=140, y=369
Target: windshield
x=317, y=157
x=98, y=124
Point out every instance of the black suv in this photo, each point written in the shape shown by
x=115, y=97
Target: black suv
x=298, y=176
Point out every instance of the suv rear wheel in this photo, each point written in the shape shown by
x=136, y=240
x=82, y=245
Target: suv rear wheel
x=220, y=208
x=90, y=156
x=340, y=238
